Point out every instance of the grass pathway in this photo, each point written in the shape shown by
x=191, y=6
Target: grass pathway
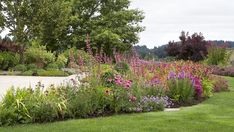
x=214, y=115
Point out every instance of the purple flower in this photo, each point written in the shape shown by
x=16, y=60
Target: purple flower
x=155, y=81
x=172, y=75
x=181, y=75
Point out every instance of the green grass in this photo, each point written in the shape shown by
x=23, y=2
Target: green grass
x=214, y=115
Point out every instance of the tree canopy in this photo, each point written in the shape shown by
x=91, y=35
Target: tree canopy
x=60, y=24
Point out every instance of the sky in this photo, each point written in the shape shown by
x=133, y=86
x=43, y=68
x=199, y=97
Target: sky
x=165, y=19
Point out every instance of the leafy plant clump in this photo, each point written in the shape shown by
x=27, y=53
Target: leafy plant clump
x=218, y=55
x=38, y=55
x=8, y=60
x=121, y=67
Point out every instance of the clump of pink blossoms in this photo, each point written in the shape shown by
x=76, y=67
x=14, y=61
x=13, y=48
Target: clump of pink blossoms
x=122, y=82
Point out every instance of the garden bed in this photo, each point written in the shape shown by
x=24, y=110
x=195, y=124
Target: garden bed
x=111, y=89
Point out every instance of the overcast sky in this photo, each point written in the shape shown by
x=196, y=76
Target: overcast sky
x=165, y=19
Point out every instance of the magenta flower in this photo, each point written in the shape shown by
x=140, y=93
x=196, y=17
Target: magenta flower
x=198, y=86
x=123, y=83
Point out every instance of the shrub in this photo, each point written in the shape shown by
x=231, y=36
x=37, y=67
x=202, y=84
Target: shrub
x=189, y=48
x=207, y=86
x=38, y=55
x=52, y=66
x=181, y=90
x=121, y=67
x=14, y=101
x=20, y=67
x=27, y=73
x=49, y=105
x=218, y=55
x=31, y=67
x=61, y=61
x=84, y=103
x=27, y=105
x=8, y=60
x=7, y=116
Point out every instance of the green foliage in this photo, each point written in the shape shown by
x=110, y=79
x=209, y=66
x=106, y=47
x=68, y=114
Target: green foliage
x=1, y=19
x=38, y=55
x=149, y=54
x=218, y=55
x=109, y=23
x=52, y=73
x=154, y=90
x=121, y=67
x=207, y=86
x=42, y=72
x=181, y=90
x=15, y=22
x=32, y=66
x=61, y=61
x=28, y=73
x=84, y=102
x=121, y=101
x=86, y=59
x=27, y=105
x=60, y=24
x=14, y=101
x=52, y=66
x=37, y=19
x=107, y=79
x=8, y=60
x=50, y=22
x=20, y=67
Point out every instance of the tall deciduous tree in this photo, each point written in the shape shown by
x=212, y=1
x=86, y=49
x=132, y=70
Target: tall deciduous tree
x=110, y=23
x=60, y=24
x=15, y=18
x=1, y=19
x=49, y=22
x=45, y=20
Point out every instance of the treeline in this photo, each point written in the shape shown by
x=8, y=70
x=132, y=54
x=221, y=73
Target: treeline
x=172, y=49
x=230, y=44
x=148, y=54
x=62, y=24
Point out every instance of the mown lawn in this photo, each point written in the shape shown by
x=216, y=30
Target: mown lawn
x=214, y=115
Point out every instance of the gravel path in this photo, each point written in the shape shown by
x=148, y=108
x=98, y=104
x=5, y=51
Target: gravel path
x=7, y=82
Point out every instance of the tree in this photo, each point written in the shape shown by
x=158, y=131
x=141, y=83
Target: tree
x=61, y=24
x=1, y=19
x=15, y=18
x=160, y=51
x=189, y=48
x=46, y=20
x=49, y=22
x=110, y=23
